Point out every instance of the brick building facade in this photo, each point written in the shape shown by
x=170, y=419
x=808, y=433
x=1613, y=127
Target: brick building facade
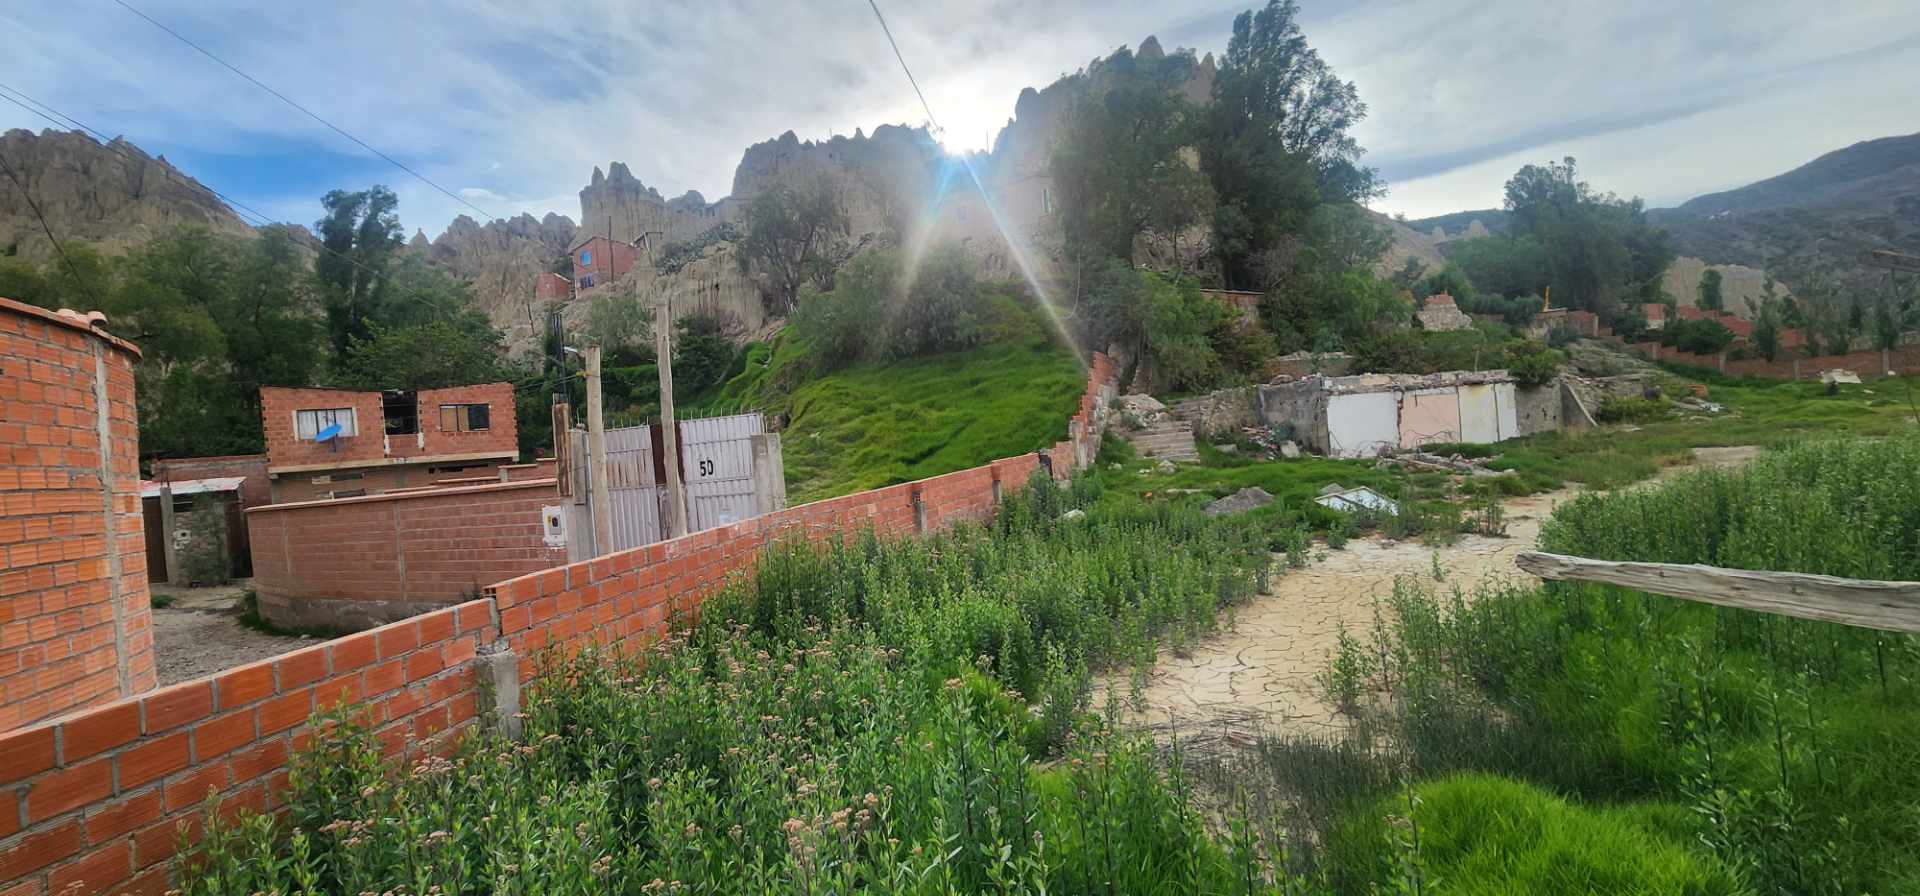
x=75, y=626
x=386, y=440
x=598, y=261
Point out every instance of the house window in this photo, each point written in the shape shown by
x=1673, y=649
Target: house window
x=465, y=417
x=586, y=282
x=348, y=493
x=307, y=424
x=586, y=256
x=1046, y=200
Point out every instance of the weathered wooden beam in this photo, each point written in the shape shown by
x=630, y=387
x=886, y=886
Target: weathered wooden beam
x=1885, y=606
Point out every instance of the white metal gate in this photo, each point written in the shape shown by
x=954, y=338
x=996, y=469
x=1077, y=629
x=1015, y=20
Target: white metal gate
x=717, y=460
x=717, y=467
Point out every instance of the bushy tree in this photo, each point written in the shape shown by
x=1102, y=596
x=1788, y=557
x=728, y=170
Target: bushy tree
x=1503, y=265
x=1179, y=325
x=1701, y=337
x=620, y=322
x=1277, y=138
x=1710, y=291
x=361, y=232
x=1119, y=169
x=881, y=309
x=791, y=238
x=1600, y=250
x=457, y=351
x=703, y=353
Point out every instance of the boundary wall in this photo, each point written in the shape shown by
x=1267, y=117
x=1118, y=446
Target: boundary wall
x=92, y=802
x=394, y=555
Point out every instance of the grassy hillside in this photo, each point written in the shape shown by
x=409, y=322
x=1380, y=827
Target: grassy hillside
x=877, y=424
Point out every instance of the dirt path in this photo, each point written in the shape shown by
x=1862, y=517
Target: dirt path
x=1260, y=672
x=200, y=633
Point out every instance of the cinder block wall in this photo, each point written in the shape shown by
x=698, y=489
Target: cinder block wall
x=95, y=800
x=75, y=625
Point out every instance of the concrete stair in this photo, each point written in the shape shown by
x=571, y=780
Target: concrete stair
x=1166, y=440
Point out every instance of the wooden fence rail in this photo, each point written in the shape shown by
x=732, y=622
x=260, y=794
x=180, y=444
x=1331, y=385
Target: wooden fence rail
x=1885, y=606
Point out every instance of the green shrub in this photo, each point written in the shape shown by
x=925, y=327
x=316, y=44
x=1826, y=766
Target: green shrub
x=1631, y=410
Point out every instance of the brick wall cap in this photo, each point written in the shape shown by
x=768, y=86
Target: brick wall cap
x=82, y=325
x=406, y=496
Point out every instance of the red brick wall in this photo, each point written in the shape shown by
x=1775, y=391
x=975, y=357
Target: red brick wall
x=95, y=800
x=256, y=490
x=551, y=287
x=1904, y=360
x=284, y=449
x=75, y=626
x=611, y=260
x=502, y=435
x=355, y=561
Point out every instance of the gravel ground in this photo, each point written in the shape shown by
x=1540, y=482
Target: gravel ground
x=200, y=634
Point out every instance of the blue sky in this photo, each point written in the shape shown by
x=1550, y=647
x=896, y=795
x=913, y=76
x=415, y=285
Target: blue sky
x=512, y=104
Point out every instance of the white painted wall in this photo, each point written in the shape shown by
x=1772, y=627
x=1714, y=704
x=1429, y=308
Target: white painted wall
x=1364, y=424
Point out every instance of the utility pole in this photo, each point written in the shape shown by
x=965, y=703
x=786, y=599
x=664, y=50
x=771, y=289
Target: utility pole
x=676, y=519
x=597, y=458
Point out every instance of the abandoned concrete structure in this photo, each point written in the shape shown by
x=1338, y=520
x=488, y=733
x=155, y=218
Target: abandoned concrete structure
x=331, y=443
x=74, y=611
x=1371, y=414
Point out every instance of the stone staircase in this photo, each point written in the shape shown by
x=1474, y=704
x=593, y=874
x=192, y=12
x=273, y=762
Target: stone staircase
x=1166, y=439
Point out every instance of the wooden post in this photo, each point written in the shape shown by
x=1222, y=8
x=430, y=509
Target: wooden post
x=168, y=544
x=1883, y=606
x=597, y=458
x=675, y=518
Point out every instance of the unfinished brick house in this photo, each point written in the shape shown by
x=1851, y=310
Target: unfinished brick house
x=598, y=261
x=332, y=443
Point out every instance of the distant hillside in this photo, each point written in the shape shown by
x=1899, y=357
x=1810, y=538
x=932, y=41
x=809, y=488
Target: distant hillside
x=1821, y=215
x=112, y=195
x=1457, y=224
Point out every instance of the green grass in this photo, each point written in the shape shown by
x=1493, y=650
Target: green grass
x=872, y=425
x=1789, y=740
x=160, y=600
x=1483, y=835
x=1760, y=412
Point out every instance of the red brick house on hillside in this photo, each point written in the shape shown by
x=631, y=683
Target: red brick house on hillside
x=384, y=440
x=598, y=261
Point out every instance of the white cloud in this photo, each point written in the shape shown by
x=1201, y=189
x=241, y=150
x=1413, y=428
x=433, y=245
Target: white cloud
x=512, y=104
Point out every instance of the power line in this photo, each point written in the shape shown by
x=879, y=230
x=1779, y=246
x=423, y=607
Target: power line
x=903, y=65
x=35, y=206
x=308, y=112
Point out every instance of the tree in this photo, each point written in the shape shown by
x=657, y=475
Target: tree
x=361, y=232
x=1710, y=298
x=620, y=322
x=1449, y=280
x=1276, y=140
x=790, y=238
x=458, y=351
x=1119, y=167
x=1599, y=248
x=1766, y=332
x=1504, y=265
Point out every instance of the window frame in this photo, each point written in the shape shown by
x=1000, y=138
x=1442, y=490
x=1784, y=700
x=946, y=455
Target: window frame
x=462, y=416
x=349, y=429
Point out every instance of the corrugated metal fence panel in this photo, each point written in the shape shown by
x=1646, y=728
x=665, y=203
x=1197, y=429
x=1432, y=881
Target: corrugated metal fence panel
x=718, y=472
x=636, y=517
x=630, y=457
